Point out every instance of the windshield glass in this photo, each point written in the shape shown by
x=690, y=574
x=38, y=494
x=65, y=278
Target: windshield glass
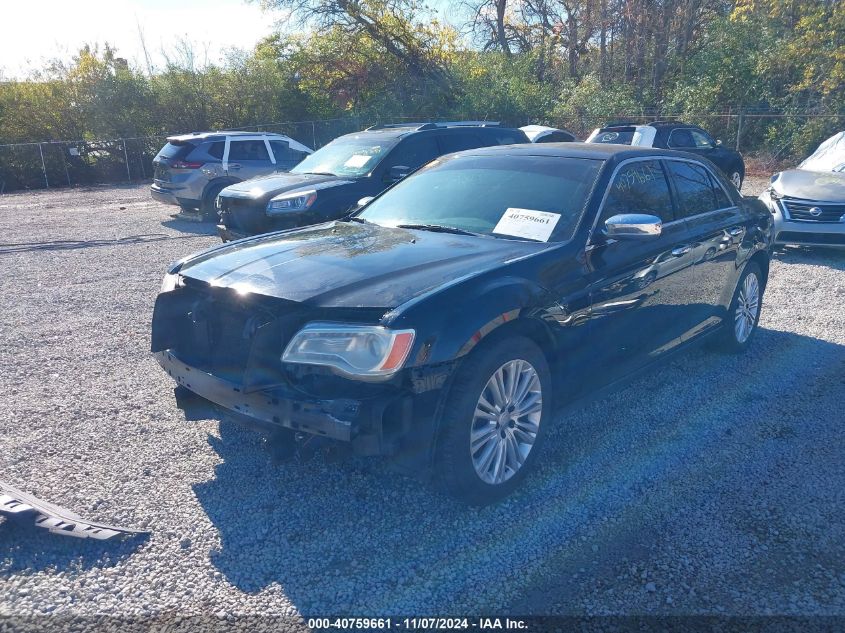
x=617, y=137
x=346, y=156
x=518, y=197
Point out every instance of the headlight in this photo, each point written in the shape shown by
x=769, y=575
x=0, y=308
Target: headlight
x=296, y=201
x=354, y=350
x=171, y=281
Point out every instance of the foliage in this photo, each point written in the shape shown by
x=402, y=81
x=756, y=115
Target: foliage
x=573, y=63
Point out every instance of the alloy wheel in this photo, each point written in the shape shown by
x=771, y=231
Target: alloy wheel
x=506, y=421
x=747, y=307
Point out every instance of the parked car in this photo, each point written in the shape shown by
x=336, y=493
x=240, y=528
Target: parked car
x=330, y=182
x=441, y=322
x=545, y=134
x=675, y=135
x=193, y=168
x=808, y=203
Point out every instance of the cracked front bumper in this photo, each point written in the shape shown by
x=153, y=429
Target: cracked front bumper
x=341, y=419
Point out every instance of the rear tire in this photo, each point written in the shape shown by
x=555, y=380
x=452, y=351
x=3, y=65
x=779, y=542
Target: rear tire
x=744, y=312
x=208, y=206
x=488, y=443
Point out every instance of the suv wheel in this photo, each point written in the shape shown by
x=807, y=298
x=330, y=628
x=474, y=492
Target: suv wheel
x=493, y=421
x=744, y=313
x=208, y=206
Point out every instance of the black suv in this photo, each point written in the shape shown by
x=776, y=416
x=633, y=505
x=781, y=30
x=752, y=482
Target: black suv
x=675, y=135
x=329, y=184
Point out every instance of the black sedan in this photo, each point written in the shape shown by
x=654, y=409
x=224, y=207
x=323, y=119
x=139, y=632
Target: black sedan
x=441, y=323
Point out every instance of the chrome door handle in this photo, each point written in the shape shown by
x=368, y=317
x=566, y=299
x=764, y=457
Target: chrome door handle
x=681, y=250
x=736, y=231
x=234, y=166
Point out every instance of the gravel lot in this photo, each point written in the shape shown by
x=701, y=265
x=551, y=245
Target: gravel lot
x=714, y=485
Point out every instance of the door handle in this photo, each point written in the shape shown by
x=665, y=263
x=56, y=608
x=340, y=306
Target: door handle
x=736, y=231
x=681, y=250
x=234, y=166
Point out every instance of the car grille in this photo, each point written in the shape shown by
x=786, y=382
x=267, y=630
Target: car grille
x=232, y=337
x=827, y=211
x=244, y=215
x=795, y=237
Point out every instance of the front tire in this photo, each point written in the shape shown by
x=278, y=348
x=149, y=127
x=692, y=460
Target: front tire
x=493, y=421
x=744, y=312
x=208, y=206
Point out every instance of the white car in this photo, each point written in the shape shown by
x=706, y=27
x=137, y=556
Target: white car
x=808, y=203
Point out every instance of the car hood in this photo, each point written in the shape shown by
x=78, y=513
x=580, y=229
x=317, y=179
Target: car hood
x=810, y=185
x=274, y=184
x=349, y=264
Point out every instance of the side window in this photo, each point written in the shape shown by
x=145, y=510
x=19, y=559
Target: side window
x=702, y=140
x=508, y=138
x=639, y=187
x=694, y=186
x=458, y=141
x=413, y=152
x=722, y=199
x=248, y=150
x=283, y=152
x=216, y=150
x=681, y=139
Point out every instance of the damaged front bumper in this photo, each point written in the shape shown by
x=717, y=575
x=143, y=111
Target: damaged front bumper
x=360, y=422
x=19, y=505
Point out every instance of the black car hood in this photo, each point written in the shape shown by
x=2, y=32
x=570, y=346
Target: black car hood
x=348, y=264
x=274, y=184
x=810, y=185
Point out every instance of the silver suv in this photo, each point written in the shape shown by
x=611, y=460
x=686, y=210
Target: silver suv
x=192, y=169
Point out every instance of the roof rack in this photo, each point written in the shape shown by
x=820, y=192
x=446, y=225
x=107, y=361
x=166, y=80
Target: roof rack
x=433, y=125
x=391, y=126
x=666, y=122
x=619, y=124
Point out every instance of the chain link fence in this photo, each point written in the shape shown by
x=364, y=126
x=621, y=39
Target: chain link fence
x=89, y=162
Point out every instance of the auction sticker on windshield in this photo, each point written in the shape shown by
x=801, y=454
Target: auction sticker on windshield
x=357, y=160
x=533, y=225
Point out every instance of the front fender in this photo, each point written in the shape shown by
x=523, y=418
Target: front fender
x=457, y=319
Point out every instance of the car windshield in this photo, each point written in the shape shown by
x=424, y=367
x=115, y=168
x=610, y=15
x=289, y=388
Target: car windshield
x=517, y=197
x=617, y=137
x=346, y=156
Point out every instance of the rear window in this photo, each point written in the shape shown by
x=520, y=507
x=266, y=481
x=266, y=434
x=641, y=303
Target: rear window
x=617, y=136
x=176, y=150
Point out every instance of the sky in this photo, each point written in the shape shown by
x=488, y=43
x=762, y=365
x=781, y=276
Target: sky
x=34, y=31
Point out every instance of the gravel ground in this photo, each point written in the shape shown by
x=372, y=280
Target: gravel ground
x=714, y=485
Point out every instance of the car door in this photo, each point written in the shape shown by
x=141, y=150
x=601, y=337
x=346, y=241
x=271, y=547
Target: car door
x=248, y=157
x=716, y=229
x=638, y=288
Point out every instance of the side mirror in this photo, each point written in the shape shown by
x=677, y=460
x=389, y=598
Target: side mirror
x=365, y=201
x=397, y=173
x=633, y=226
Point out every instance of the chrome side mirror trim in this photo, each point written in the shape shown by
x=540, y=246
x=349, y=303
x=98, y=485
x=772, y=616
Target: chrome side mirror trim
x=633, y=226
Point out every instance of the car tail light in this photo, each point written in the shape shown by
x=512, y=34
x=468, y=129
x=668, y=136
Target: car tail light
x=184, y=164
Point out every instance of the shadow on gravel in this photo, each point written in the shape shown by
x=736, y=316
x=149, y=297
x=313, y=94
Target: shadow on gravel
x=663, y=457
x=815, y=255
x=188, y=226
x=26, y=549
x=68, y=245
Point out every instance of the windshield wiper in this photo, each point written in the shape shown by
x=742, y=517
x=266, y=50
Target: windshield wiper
x=355, y=218
x=437, y=228
x=319, y=173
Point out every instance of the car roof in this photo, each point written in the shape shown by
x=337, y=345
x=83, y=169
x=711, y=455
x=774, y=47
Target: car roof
x=596, y=151
x=654, y=124
x=195, y=136
x=399, y=130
